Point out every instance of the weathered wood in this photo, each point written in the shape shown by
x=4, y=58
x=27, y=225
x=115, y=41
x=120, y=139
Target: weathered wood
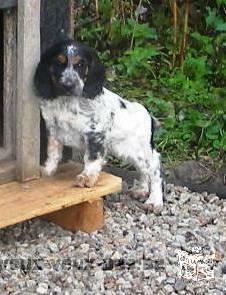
x=23, y=201
x=87, y=217
x=4, y=153
x=7, y=171
x=28, y=115
x=7, y=3
x=8, y=50
x=9, y=89
x=1, y=77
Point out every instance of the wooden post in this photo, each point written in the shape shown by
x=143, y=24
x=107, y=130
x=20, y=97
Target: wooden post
x=28, y=114
x=9, y=96
x=87, y=217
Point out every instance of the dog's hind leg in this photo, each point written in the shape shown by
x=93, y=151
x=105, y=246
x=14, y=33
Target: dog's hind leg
x=151, y=182
x=155, y=199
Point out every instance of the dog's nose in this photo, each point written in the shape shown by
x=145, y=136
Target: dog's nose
x=68, y=86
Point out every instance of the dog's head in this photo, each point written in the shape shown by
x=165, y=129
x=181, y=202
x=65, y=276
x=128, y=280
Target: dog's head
x=69, y=68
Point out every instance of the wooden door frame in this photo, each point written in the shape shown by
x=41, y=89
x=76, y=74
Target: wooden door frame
x=20, y=154
x=27, y=110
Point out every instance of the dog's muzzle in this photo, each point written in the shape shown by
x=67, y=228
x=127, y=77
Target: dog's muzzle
x=71, y=82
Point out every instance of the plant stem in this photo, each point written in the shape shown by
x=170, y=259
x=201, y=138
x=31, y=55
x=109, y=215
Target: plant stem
x=136, y=20
x=97, y=12
x=185, y=34
x=174, y=9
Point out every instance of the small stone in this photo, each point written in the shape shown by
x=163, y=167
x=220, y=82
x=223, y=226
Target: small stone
x=99, y=275
x=31, y=283
x=144, y=218
x=217, y=292
x=217, y=256
x=53, y=247
x=147, y=273
x=179, y=285
x=116, y=256
x=180, y=239
x=168, y=288
x=58, y=290
x=42, y=288
x=214, y=199
x=184, y=198
x=223, y=269
x=84, y=248
x=120, y=281
x=69, y=280
x=92, y=256
x=171, y=280
x=160, y=279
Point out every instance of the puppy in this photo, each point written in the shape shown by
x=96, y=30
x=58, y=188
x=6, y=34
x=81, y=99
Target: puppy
x=81, y=113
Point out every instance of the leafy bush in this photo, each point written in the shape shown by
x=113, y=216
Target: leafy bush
x=176, y=69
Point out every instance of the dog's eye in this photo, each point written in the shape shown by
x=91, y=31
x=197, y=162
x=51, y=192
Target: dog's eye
x=79, y=64
x=61, y=58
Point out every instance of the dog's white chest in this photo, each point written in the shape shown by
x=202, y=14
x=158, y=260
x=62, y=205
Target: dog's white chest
x=65, y=122
x=67, y=129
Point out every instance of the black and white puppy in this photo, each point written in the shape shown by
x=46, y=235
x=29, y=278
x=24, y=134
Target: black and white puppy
x=79, y=112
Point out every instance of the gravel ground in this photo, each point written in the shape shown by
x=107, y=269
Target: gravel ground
x=135, y=253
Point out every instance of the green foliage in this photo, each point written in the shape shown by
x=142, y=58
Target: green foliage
x=214, y=20
x=187, y=93
x=138, y=61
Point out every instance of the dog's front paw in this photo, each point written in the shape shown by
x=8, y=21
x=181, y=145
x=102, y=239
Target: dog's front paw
x=47, y=171
x=154, y=205
x=83, y=180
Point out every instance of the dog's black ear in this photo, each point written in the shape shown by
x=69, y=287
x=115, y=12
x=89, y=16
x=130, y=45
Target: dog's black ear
x=43, y=82
x=95, y=78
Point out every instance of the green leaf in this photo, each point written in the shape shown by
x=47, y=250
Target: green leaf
x=211, y=136
x=213, y=19
x=202, y=124
x=221, y=2
x=217, y=144
x=221, y=27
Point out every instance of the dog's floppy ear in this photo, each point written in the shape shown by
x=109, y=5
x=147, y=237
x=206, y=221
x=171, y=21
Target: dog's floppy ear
x=95, y=78
x=43, y=82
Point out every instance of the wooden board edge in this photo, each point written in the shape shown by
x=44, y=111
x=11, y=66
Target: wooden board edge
x=72, y=192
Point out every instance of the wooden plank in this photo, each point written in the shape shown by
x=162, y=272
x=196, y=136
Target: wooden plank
x=23, y=201
x=7, y=3
x=87, y=217
x=28, y=115
x=9, y=93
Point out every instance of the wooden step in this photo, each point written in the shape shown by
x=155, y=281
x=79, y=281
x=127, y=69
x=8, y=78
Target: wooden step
x=57, y=200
